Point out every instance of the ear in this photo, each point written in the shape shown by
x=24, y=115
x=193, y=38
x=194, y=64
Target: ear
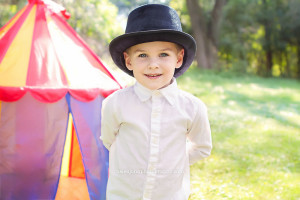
x=180, y=56
x=127, y=61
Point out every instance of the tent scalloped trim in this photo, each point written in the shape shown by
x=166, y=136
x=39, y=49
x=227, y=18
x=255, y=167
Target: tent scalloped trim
x=51, y=95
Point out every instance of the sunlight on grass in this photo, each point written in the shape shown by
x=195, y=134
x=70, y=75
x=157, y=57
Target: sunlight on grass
x=255, y=126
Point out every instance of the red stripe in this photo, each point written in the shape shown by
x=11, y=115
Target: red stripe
x=10, y=35
x=11, y=20
x=44, y=67
x=71, y=150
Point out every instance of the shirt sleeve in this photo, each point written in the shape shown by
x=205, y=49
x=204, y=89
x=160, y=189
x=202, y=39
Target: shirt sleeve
x=199, y=136
x=109, y=122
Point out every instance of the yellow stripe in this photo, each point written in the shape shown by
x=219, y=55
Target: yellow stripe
x=14, y=66
x=12, y=22
x=67, y=150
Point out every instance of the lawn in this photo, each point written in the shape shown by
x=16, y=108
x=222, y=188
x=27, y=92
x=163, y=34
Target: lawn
x=255, y=126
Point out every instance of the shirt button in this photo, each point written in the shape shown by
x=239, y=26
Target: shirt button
x=155, y=140
x=147, y=195
x=151, y=168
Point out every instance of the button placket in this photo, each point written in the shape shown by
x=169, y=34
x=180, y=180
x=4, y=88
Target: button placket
x=154, y=145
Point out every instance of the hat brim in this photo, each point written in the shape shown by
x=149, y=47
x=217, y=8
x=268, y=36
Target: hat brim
x=123, y=42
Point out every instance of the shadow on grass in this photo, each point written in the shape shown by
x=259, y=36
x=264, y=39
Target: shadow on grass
x=275, y=148
x=266, y=106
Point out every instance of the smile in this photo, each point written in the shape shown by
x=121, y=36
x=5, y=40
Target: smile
x=153, y=75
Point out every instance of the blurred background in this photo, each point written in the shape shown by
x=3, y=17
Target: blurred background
x=247, y=72
x=260, y=37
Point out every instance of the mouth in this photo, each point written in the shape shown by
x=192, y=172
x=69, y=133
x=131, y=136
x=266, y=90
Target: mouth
x=153, y=76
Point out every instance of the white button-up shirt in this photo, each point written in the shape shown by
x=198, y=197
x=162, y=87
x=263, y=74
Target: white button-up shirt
x=153, y=137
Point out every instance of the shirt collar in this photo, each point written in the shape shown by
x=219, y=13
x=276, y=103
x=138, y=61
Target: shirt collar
x=170, y=92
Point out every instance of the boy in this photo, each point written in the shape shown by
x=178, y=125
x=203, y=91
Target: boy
x=153, y=130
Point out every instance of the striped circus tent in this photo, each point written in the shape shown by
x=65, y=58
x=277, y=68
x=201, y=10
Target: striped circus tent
x=48, y=75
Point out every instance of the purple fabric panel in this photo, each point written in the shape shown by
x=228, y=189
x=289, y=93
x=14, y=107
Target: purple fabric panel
x=32, y=136
x=87, y=120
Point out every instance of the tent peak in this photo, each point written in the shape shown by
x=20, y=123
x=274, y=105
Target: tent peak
x=41, y=54
x=52, y=6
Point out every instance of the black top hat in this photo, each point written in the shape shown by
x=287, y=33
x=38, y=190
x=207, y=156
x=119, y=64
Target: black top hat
x=148, y=23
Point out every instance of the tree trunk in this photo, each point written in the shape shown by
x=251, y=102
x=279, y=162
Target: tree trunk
x=269, y=60
x=298, y=60
x=268, y=49
x=214, y=24
x=199, y=32
x=287, y=67
x=205, y=32
x=268, y=45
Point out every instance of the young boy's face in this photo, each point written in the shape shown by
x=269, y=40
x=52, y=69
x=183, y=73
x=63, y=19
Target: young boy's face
x=154, y=63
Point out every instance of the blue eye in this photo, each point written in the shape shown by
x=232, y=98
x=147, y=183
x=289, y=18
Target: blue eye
x=164, y=55
x=143, y=55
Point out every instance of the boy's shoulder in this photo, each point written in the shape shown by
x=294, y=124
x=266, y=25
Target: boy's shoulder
x=190, y=103
x=189, y=98
x=120, y=94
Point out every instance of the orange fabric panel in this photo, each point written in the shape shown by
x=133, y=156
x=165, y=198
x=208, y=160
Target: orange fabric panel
x=76, y=164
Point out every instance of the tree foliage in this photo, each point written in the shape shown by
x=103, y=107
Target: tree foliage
x=125, y=6
x=8, y=8
x=96, y=21
x=260, y=36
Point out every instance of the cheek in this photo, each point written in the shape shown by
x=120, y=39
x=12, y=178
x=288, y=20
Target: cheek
x=139, y=64
x=175, y=64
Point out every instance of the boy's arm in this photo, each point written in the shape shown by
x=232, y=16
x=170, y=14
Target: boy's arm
x=109, y=122
x=199, y=136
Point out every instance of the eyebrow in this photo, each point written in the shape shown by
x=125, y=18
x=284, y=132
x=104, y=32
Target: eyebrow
x=166, y=49
x=141, y=50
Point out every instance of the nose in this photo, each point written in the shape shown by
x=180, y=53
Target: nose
x=153, y=64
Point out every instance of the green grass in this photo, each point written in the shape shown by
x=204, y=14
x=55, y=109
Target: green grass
x=255, y=126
